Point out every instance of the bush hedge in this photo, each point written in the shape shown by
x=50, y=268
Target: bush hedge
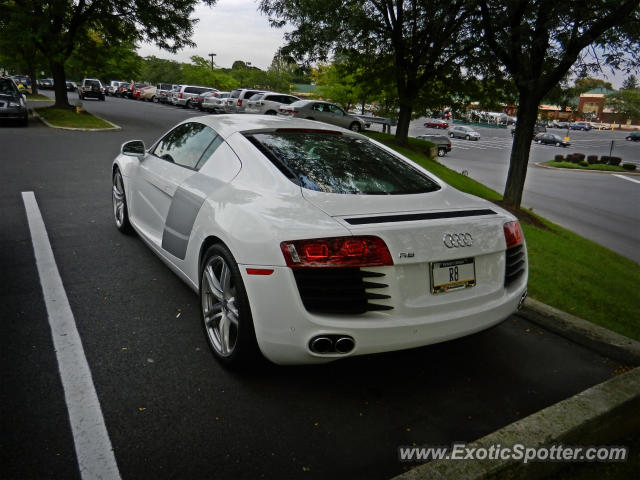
x=629, y=166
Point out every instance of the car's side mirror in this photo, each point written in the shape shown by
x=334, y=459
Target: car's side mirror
x=133, y=148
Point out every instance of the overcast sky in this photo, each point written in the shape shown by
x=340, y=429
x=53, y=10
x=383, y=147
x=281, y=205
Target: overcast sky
x=233, y=30
x=236, y=30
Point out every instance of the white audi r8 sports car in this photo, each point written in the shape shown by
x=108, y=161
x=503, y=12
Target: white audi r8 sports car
x=310, y=243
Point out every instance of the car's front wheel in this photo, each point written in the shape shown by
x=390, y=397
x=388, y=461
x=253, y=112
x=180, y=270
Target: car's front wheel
x=441, y=152
x=557, y=144
x=451, y=135
x=355, y=127
x=119, y=200
x=467, y=137
x=225, y=311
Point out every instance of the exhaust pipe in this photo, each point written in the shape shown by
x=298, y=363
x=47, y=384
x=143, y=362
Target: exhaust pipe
x=344, y=344
x=321, y=345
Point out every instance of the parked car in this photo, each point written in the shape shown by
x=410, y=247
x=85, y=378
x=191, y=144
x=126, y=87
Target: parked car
x=72, y=86
x=91, y=88
x=551, y=139
x=561, y=124
x=23, y=83
x=580, y=126
x=182, y=98
x=537, y=128
x=163, y=91
x=442, y=143
x=13, y=103
x=322, y=112
x=436, y=123
x=112, y=87
x=239, y=97
x=633, y=137
x=267, y=103
x=600, y=126
x=289, y=232
x=216, y=102
x=462, y=131
x=45, y=83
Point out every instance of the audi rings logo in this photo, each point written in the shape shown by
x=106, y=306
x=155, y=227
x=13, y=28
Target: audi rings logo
x=457, y=240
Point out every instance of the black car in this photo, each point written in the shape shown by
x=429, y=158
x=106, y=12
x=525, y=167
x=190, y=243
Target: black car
x=633, y=137
x=551, y=139
x=91, y=88
x=442, y=142
x=13, y=105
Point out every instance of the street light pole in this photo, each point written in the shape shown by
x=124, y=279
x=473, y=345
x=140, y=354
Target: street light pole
x=212, y=55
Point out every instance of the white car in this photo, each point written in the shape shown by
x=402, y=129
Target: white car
x=310, y=243
x=267, y=103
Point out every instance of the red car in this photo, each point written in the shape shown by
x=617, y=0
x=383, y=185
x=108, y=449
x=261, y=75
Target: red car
x=436, y=123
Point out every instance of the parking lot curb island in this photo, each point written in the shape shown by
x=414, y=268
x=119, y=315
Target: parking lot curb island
x=610, y=344
x=604, y=414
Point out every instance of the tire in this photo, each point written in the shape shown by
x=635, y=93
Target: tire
x=154, y=99
x=557, y=144
x=225, y=311
x=271, y=112
x=355, y=127
x=309, y=118
x=187, y=104
x=119, y=202
x=441, y=152
x=102, y=98
x=467, y=137
x=25, y=121
x=451, y=135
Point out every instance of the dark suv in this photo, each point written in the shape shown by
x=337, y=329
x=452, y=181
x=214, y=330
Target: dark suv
x=91, y=88
x=12, y=103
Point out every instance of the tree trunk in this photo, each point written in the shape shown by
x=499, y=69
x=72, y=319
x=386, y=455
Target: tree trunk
x=59, y=84
x=527, y=116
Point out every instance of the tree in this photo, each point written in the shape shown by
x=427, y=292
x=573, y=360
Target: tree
x=538, y=41
x=60, y=26
x=199, y=72
x=625, y=104
x=585, y=84
x=425, y=38
x=630, y=83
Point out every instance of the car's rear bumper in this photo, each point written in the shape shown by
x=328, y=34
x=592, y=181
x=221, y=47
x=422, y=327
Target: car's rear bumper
x=284, y=328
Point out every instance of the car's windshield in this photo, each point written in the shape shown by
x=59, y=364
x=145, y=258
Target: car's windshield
x=336, y=163
x=7, y=86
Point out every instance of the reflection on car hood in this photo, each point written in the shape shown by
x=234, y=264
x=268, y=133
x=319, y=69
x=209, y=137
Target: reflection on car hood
x=7, y=97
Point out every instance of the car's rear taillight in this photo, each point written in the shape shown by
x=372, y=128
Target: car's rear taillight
x=239, y=102
x=513, y=234
x=357, y=251
x=180, y=95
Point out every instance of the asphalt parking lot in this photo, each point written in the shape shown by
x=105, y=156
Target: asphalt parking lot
x=170, y=410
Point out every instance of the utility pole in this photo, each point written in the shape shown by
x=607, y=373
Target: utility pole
x=212, y=55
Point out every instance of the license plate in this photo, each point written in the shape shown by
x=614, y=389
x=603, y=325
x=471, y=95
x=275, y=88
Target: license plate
x=452, y=275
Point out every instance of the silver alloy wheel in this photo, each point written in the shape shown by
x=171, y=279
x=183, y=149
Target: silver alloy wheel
x=355, y=127
x=219, y=306
x=119, y=202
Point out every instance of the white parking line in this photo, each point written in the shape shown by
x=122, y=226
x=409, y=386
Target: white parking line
x=627, y=178
x=92, y=443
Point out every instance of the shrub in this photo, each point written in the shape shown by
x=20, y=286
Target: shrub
x=592, y=159
x=604, y=159
x=614, y=160
x=584, y=164
x=629, y=166
x=559, y=158
x=579, y=157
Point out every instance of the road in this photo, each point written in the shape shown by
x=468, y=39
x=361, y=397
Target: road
x=599, y=206
x=170, y=410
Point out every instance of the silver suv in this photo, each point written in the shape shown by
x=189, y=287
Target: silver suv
x=323, y=112
x=239, y=97
x=91, y=88
x=462, y=131
x=182, y=96
x=267, y=103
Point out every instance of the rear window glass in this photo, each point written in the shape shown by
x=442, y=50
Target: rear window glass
x=7, y=86
x=335, y=163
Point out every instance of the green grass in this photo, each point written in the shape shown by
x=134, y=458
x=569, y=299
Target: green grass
x=566, y=270
x=62, y=117
x=595, y=166
x=39, y=98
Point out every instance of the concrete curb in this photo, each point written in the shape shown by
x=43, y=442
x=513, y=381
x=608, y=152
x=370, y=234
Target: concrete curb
x=587, y=334
x=603, y=414
x=114, y=127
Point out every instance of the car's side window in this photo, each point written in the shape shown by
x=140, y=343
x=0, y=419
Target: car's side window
x=335, y=110
x=187, y=144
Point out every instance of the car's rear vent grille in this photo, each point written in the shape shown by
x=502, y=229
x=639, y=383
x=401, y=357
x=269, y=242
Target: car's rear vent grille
x=411, y=217
x=514, y=264
x=340, y=290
